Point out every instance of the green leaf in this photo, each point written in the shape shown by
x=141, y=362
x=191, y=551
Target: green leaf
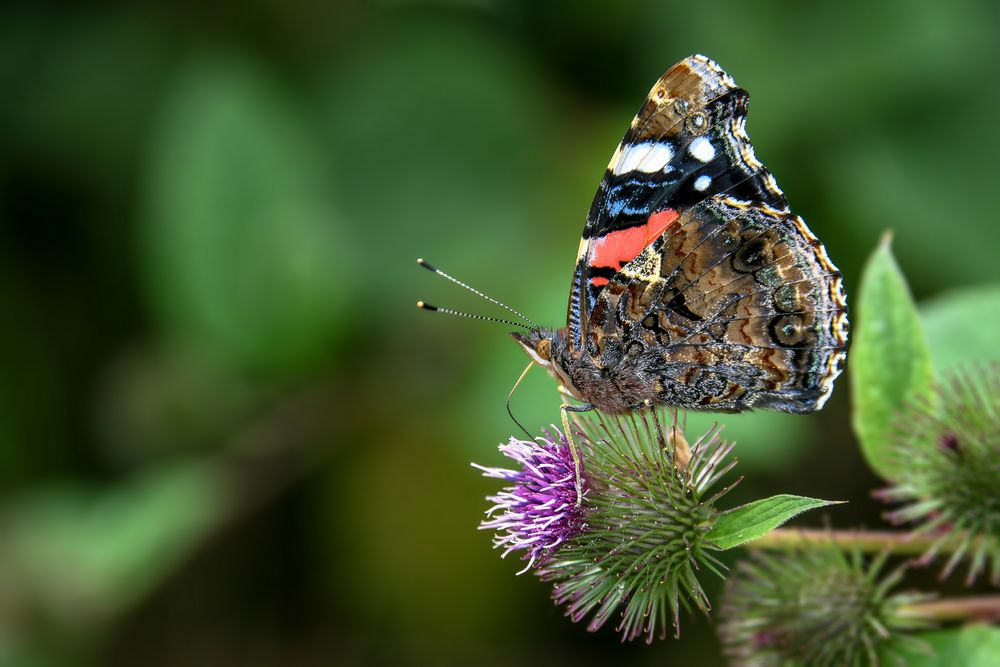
x=79, y=547
x=890, y=361
x=748, y=522
x=970, y=646
x=961, y=326
x=245, y=254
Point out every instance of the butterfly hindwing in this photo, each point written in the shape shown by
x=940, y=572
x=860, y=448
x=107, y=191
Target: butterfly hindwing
x=735, y=307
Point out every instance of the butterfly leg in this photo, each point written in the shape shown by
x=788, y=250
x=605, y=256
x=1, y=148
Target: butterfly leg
x=660, y=437
x=565, y=409
x=678, y=445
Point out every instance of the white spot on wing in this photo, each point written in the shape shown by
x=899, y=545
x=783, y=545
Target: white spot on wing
x=647, y=157
x=702, y=149
x=702, y=182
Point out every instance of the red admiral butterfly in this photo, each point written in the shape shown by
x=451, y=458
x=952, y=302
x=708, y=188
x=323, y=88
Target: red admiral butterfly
x=695, y=286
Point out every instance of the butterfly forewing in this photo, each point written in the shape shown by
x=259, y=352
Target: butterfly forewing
x=686, y=144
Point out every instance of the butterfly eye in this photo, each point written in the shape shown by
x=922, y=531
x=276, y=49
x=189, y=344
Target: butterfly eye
x=544, y=348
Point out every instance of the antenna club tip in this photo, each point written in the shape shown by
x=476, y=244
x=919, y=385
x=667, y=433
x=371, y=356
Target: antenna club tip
x=424, y=263
x=425, y=306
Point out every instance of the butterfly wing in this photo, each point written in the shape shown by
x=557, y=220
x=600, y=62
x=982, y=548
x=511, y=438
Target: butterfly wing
x=737, y=306
x=695, y=285
x=686, y=144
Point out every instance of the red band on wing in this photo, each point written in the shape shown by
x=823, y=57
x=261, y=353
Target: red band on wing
x=620, y=247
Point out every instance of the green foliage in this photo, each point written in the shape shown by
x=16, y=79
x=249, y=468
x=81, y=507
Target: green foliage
x=167, y=402
x=969, y=646
x=890, y=362
x=748, y=522
x=75, y=548
x=245, y=254
x=962, y=326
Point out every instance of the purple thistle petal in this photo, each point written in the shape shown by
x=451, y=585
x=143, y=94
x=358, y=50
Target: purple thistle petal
x=539, y=512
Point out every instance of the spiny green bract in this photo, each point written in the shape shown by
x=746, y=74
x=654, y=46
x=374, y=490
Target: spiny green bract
x=817, y=607
x=947, y=456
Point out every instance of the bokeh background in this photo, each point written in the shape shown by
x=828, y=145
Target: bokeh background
x=226, y=434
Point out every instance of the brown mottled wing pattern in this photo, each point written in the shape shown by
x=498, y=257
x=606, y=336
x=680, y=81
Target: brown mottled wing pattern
x=686, y=144
x=735, y=306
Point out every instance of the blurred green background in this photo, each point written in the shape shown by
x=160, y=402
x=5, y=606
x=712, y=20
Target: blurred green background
x=226, y=434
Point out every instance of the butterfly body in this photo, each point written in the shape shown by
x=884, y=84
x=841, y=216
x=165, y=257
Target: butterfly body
x=695, y=287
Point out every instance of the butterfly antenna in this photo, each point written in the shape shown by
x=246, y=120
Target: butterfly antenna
x=472, y=316
x=512, y=390
x=434, y=269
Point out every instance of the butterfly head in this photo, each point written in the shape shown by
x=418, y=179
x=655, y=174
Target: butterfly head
x=549, y=348
x=537, y=343
x=546, y=347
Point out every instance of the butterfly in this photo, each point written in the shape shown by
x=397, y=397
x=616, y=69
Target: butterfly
x=695, y=287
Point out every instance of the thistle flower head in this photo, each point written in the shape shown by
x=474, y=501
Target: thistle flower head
x=819, y=607
x=642, y=541
x=948, y=479
x=638, y=540
x=538, y=512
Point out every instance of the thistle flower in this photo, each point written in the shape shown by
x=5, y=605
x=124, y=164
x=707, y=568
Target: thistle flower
x=948, y=452
x=638, y=540
x=818, y=607
x=539, y=512
x=648, y=517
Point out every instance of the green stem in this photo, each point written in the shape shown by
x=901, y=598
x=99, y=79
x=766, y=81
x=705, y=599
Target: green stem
x=985, y=608
x=865, y=540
